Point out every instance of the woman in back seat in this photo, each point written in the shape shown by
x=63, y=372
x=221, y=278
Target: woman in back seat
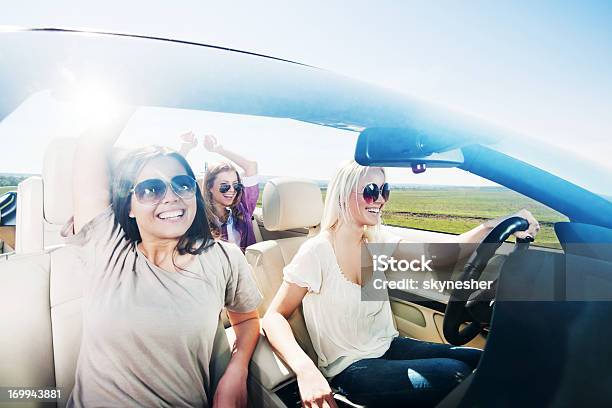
x=156, y=282
x=359, y=350
x=231, y=198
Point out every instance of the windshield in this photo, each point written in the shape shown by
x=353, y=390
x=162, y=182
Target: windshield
x=583, y=165
x=206, y=79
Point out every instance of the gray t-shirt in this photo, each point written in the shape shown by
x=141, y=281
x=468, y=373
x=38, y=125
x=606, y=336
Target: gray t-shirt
x=148, y=333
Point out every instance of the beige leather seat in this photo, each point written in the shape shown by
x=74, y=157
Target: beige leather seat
x=40, y=290
x=44, y=203
x=287, y=204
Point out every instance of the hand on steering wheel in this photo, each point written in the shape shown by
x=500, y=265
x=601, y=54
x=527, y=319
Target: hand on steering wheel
x=457, y=310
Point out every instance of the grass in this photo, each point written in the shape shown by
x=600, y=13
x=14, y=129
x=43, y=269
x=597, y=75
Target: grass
x=456, y=210
x=6, y=189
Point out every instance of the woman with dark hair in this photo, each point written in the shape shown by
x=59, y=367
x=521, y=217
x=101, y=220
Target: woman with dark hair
x=156, y=282
x=231, y=198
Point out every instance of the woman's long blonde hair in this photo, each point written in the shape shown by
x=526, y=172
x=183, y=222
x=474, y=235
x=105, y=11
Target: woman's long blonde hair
x=336, y=210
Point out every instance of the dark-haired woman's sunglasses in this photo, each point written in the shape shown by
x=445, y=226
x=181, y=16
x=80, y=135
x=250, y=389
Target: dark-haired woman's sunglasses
x=224, y=187
x=152, y=191
x=371, y=192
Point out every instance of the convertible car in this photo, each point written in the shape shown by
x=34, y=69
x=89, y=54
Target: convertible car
x=545, y=331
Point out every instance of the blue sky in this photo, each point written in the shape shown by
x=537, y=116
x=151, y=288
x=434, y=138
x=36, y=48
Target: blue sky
x=541, y=68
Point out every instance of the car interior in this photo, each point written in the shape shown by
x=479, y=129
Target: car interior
x=41, y=285
x=545, y=335
x=41, y=297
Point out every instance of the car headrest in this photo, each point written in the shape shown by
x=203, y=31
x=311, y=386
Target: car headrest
x=291, y=203
x=57, y=179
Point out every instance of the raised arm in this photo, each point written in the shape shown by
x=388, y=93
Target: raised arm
x=188, y=143
x=91, y=172
x=249, y=166
x=314, y=389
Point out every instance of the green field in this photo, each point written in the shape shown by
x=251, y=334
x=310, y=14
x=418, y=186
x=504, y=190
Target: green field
x=456, y=210
x=6, y=189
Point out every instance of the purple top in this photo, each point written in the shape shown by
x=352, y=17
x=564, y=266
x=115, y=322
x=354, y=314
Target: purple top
x=243, y=234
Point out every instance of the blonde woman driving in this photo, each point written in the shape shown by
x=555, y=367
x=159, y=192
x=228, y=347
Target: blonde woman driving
x=359, y=350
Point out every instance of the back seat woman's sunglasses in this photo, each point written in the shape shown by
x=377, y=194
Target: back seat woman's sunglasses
x=152, y=191
x=224, y=187
x=371, y=192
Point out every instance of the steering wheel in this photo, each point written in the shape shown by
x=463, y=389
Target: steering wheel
x=478, y=310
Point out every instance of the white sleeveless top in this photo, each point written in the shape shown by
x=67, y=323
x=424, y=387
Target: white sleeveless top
x=343, y=328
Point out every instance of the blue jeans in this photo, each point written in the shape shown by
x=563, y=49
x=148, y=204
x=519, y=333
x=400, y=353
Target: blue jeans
x=411, y=373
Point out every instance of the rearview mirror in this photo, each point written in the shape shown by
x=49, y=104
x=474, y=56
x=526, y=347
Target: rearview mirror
x=401, y=147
